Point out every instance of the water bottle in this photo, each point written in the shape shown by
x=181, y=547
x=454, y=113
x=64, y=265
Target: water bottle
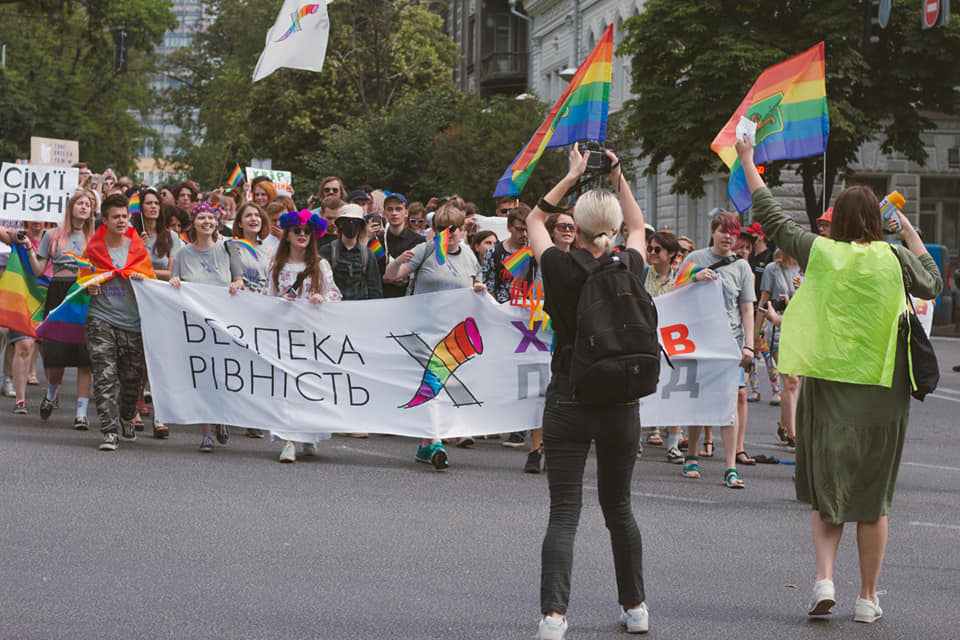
x=889, y=207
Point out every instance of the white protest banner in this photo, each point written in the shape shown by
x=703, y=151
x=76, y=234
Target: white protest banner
x=55, y=152
x=35, y=192
x=282, y=180
x=493, y=223
x=297, y=40
x=924, y=309
x=695, y=333
x=437, y=365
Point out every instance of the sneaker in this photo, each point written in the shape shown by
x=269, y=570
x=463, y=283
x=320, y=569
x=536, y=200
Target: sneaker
x=639, y=449
x=551, y=628
x=464, y=443
x=310, y=448
x=160, y=431
x=791, y=444
x=110, y=442
x=823, y=599
x=147, y=396
x=46, y=408
x=674, y=455
x=206, y=444
x=8, y=389
x=781, y=434
x=514, y=441
x=255, y=433
x=20, y=408
x=533, y=461
x=867, y=611
x=636, y=620
x=289, y=452
x=223, y=433
x=433, y=454
x=80, y=423
x=128, y=431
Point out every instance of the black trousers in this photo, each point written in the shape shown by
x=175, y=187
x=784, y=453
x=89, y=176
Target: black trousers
x=568, y=430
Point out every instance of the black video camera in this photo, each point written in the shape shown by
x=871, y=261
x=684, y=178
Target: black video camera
x=599, y=163
x=779, y=305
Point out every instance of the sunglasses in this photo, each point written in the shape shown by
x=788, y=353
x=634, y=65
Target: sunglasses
x=507, y=210
x=416, y=222
x=331, y=190
x=654, y=250
x=300, y=231
x=683, y=252
x=565, y=226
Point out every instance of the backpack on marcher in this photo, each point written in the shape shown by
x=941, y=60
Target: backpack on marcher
x=616, y=354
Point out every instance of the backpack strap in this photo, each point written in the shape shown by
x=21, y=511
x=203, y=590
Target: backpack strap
x=363, y=268
x=334, y=254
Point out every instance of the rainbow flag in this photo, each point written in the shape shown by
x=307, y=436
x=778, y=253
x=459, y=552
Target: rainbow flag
x=516, y=261
x=377, y=247
x=579, y=114
x=185, y=237
x=80, y=260
x=246, y=244
x=21, y=294
x=686, y=274
x=440, y=242
x=134, y=205
x=789, y=104
x=236, y=177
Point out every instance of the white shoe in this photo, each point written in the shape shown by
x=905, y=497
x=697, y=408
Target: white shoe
x=823, y=598
x=867, y=611
x=8, y=389
x=636, y=620
x=289, y=452
x=552, y=628
x=309, y=448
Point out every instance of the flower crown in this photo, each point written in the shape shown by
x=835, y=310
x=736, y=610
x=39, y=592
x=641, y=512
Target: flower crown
x=206, y=207
x=297, y=218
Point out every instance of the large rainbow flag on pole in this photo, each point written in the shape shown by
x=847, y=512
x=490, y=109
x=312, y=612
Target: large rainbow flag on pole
x=21, y=294
x=789, y=104
x=579, y=114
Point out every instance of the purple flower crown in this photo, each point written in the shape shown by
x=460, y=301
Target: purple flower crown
x=297, y=218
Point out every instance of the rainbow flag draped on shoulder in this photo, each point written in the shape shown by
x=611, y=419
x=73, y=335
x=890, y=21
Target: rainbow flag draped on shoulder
x=789, y=104
x=67, y=323
x=22, y=295
x=579, y=114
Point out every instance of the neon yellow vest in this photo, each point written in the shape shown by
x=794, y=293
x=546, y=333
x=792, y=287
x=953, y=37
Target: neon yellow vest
x=842, y=323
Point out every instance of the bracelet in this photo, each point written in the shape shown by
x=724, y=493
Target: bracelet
x=750, y=349
x=549, y=208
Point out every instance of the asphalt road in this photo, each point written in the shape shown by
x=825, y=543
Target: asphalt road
x=159, y=541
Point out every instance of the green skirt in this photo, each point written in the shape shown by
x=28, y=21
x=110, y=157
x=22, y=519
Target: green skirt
x=849, y=442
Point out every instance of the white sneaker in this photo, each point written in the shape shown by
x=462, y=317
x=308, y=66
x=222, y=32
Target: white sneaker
x=309, y=448
x=823, y=598
x=289, y=452
x=552, y=628
x=636, y=620
x=867, y=611
x=8, y=389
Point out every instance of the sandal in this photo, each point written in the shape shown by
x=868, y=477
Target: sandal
x=690, y=467
x=746, y=459
x=775, y=400
x=160, y=431
x=138, y=423
x=654, y=438
x=707, y=451
x=753, y=397
x=143, y=409
x=33, y=380
x=731, y=480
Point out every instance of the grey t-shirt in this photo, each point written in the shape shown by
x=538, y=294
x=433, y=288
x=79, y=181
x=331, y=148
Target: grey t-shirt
x=255, y=270
x=116, y=304
x=76, y=243
x=737, y=281
x=158, y=262
x=779, y=281
x=458, y=271
x=208, y=266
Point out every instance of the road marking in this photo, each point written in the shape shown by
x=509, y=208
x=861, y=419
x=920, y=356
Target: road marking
x=935, y=525
x=661, y=496
x=953, y=391
x=939, y=397
x=945, y=338
x=931, y=466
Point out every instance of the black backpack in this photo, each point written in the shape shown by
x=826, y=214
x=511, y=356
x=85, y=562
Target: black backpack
x=616, y=354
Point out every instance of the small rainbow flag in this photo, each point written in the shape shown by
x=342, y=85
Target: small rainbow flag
x=579, y=114
x=789, y=104
x=377, y=247
x=236, y=177
x=686, y=274
x=185, y=237
x=440, y=242
x=81, y=261
x=246, y=244
x=518, y=260
x=134, y=205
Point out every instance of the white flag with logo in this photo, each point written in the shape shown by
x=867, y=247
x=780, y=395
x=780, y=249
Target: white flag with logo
x=297, y=40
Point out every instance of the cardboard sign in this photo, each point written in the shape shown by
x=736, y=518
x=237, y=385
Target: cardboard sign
x=282, y=180
x=54, y=152
x=35, y=192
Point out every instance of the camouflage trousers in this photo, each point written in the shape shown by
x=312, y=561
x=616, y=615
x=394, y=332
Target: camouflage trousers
x=116, y=357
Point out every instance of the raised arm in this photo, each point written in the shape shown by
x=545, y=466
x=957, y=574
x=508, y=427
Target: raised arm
x=537, y=232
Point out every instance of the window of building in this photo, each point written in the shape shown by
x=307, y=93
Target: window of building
x=940, y=212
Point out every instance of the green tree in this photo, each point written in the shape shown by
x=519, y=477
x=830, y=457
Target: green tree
x=379, y=51
x=693, y=62
x=61, y=81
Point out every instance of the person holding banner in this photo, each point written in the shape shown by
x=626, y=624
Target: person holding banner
x=298, y=272
x=250, y=227
x=206, y=260
x=62, y=247
x=160, y=241
x=854, y=403
x=568, y=427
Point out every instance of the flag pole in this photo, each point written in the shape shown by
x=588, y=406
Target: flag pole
x=823, y=193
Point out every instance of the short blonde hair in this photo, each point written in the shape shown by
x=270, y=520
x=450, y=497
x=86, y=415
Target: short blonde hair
x=448, y=216
x=598, y=215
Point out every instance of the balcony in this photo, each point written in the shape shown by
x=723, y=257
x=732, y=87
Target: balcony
x=503, y=72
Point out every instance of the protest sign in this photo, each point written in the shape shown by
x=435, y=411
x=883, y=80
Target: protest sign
x=496, y=224
x=282, y=180
x=438, y=365
x=36, y=192
x=54, y=152
x=924, y=309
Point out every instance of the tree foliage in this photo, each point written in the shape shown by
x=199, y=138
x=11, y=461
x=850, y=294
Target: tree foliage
x=61, y=82
x=694, y=61
x=379, y=50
